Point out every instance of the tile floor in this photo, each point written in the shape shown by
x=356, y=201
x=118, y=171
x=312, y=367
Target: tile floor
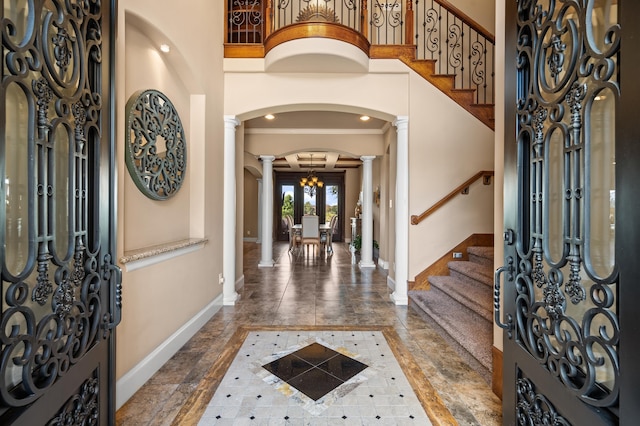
x=312, y=293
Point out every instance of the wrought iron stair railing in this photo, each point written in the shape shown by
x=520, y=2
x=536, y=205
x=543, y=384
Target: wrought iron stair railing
x=433, y=37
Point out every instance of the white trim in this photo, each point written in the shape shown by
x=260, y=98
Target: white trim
x=288, y=131
x=135, y=378
x=161, y=257
x=383, y=264
x=240, y=283
x=391, y=283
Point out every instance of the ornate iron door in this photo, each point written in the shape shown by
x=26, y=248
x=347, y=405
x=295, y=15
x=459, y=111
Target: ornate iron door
x=561, y=278
x=60, y=288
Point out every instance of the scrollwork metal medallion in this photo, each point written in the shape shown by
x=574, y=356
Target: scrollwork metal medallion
x=156, y=146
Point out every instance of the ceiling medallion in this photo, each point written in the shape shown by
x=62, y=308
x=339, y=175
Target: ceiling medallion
x=155, y=145
x=315, y=13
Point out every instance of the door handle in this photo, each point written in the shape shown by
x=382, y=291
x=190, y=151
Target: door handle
x=508, y=270
x=115, y=308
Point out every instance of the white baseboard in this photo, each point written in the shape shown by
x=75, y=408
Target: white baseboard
x=240, y=283
x=383, y=264
x=391, y=283
x=145, y=369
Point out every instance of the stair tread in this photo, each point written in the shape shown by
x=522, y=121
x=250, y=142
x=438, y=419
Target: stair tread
x=476, y=271
x=464, y=326
x=478, y=298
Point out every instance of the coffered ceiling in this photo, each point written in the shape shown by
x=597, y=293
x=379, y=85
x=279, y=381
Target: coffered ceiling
x=320, y=122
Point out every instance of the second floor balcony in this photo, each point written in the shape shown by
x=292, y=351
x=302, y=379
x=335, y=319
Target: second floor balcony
x=412, y=30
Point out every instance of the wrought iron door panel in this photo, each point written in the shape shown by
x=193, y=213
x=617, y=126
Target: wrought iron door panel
x=565, y=279
x=56, y=267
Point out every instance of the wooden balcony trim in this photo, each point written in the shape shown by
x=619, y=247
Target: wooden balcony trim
x=416, y=219
x=238, y=50
x=328, y=30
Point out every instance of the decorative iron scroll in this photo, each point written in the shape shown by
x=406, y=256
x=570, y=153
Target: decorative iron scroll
x=458, y=48
x=52, y=60
x=533, y=408
x=82, y=408
x=156, y=147
x=288, y=12
x=564, y=64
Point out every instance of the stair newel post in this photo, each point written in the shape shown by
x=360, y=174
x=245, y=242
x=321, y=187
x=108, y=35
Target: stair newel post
x=408, y=20
x=364, y=23
x=268, y=19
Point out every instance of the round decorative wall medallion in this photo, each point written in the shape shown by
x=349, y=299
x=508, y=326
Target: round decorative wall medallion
x=156, y=148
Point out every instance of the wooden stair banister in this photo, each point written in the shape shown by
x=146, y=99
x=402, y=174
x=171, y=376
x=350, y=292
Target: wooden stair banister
x=416, y=219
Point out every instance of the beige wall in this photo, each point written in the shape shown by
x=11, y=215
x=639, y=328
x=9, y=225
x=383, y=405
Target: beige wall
x=169, y=218
x=447, y=146
x=250, y=206
x=158, y=300
x=481, y=11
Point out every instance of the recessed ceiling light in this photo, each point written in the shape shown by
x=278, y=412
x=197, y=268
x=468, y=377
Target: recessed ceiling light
x=165, y=48
x=364, y=117
x=269, y=116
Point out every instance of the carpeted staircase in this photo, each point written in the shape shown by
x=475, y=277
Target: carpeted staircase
x=460, y=307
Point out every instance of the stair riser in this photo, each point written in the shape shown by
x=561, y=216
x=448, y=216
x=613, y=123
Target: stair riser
x=481, y=260
x=481, y=279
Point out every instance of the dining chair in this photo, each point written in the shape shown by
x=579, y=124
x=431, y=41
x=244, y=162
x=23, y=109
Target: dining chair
x=333, y=225
x=294, y=237
x=311, y=231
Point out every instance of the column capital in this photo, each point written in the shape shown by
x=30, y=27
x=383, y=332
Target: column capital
x=231, y=120
x=368, y=158
x=401, y=121
x=268, y=158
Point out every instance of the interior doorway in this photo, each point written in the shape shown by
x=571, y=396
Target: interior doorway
x=292, y=199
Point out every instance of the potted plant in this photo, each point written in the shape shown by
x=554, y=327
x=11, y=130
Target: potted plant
x=357, y=244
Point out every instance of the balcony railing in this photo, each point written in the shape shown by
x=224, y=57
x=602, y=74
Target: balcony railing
x=436, y=28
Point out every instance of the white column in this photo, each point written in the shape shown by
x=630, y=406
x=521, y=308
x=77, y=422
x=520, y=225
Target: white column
x=259, y=211
x=399, y=296
x=267, y=212
x=229, y=295
x=366, y=249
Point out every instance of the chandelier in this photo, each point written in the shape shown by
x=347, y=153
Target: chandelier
x=311, y=182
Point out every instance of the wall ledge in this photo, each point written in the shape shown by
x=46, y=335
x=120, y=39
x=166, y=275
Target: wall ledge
x=141, y=258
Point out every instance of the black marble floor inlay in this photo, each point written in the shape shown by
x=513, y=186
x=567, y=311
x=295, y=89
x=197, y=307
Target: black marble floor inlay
x=315, y=370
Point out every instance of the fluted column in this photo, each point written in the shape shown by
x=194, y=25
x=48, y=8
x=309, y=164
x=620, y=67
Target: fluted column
x=366, y=248
x=399, y=296
x=267, y=211
x=259, y=240
x=229, y=295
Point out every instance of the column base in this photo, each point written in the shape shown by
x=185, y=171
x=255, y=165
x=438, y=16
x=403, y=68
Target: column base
x=231, y=299
x=267, y=264
x=399, y=299
x=366, y=265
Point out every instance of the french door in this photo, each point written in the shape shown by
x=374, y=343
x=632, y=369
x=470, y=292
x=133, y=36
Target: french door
x=291, y=199
x=60, y=286
x=570, y=280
